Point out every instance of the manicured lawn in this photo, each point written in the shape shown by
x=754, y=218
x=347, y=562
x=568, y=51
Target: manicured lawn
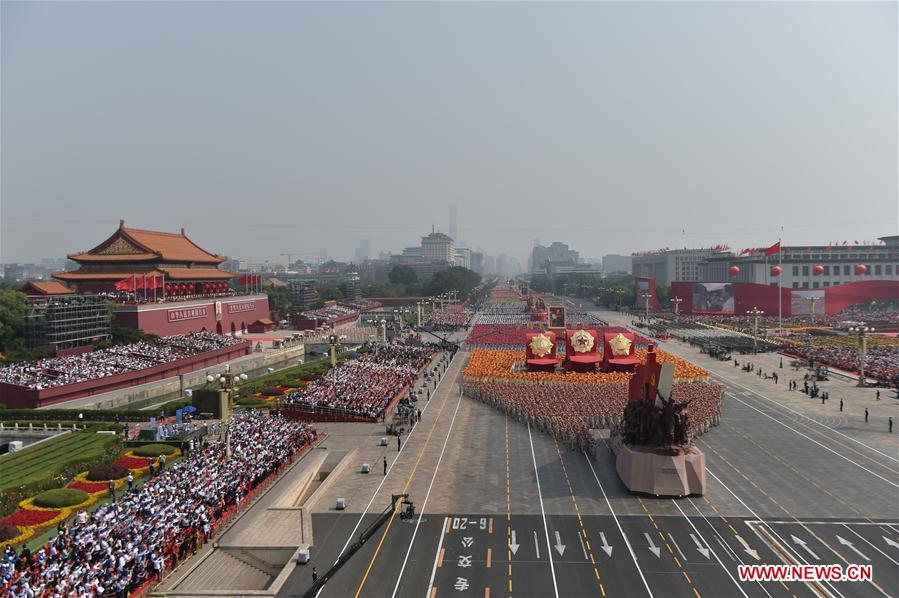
x=48, y=458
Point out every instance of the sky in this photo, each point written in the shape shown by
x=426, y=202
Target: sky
x=268, y=128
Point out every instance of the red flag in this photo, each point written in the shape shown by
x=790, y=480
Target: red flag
x=126, y=284
x=773, y=249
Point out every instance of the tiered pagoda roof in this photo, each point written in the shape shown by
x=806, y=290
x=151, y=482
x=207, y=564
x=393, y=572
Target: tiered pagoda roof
x=135, y=252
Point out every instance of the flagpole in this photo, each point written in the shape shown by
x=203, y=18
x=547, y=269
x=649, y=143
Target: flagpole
x=780, y=260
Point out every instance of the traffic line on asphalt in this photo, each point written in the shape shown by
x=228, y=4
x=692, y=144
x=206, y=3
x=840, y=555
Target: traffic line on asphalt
x=405, y=487
x=846, y=436
x=543, y=513
x=627, y=543
x=825, y=447
x=384, y=479
x=424, y=505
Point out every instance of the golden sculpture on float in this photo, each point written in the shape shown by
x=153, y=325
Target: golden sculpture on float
x=582, y=341
x=621, y=345
x=541, y=345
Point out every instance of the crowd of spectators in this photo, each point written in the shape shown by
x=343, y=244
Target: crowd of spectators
x=118, y=359
x=452, y=317
x=367, y=384
x=569, y=411
x=881, y=363
x=127, y=543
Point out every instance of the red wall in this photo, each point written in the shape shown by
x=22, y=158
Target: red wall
x=842, y=296
x=155, y=318
x=20, y=397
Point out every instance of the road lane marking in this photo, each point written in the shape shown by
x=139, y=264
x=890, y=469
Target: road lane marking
x=786, y=549
x=405, y=487
x=384, y=479
x=438, y=560
x=847, y=437
x=627, y=543
x=424, y=505
x=584, y=550
x=710, y=549
x=543, y=513
x=489, y=557
x=679, y=551
x=825, y=447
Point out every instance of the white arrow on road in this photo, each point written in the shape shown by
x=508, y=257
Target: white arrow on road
x=513, y=545
x=801, y=542
x=537, y=545
x=750, y=551
x=845, y=542
x=559, y=546
x=605, y=545
x=655, y=549
x=702, y=550
x=890, y=542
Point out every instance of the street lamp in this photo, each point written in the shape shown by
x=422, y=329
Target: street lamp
x=862, y=332
x=755, y=313
x=646, y=296
x=335, y=341
x=384, y=330
x=676, y=301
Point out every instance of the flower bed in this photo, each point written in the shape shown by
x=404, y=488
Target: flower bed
x=24, y=533
x=152, y=450
x=61, y=498
x=31, y=518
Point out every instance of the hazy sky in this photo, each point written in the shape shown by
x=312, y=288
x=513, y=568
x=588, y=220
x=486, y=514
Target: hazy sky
x=265, y=128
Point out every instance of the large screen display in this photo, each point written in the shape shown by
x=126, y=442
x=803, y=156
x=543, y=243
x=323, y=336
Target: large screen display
x=713, y=298
x=801, y=302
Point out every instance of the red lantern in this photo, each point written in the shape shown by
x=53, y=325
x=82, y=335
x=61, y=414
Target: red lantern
x=776, y=270
x=734, y=270
x=861, y=269
x=818, y=270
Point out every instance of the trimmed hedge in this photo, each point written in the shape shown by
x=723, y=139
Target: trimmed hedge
x=60, y=498
x=106, y=472
x=92, y=415
x=154, y=450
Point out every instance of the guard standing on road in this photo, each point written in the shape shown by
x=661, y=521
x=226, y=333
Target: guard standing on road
x=878, y=395
x=841, y=405
x=891, y=425
x=419, y=415
x=385, y=465
x=866, y=415
x=398, y=437
x=314, y=575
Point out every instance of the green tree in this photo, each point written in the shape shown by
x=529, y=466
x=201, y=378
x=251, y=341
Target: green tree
x=330, y=294
x=457, y=279
x=277, y=299
x=402, y=275
x=12, y=320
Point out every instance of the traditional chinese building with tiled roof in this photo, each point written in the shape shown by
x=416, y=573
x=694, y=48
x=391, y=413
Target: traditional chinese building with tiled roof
x=142, y=254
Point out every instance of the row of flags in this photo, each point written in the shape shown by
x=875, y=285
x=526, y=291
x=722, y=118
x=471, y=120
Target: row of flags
x=829, y=247
x=157, y=281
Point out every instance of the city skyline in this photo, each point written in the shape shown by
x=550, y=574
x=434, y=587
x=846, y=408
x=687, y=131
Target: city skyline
x=628, y=127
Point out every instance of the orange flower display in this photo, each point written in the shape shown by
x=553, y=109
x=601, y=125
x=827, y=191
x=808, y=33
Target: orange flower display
x=492, y=364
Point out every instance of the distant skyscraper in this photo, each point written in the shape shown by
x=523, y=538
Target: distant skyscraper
x=363, y=252
x=454, y=222
x=322, y=255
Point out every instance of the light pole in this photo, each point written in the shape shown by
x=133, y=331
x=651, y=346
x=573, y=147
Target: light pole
x=418, y=319
x=384, y=330
x=755, y=313
x=646, y=296
x=335, y=341
x=676, y=301
x=862, y=332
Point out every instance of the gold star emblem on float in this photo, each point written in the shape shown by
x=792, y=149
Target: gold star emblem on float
x=582, y=341
x=621, y=345
x=541, y=346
